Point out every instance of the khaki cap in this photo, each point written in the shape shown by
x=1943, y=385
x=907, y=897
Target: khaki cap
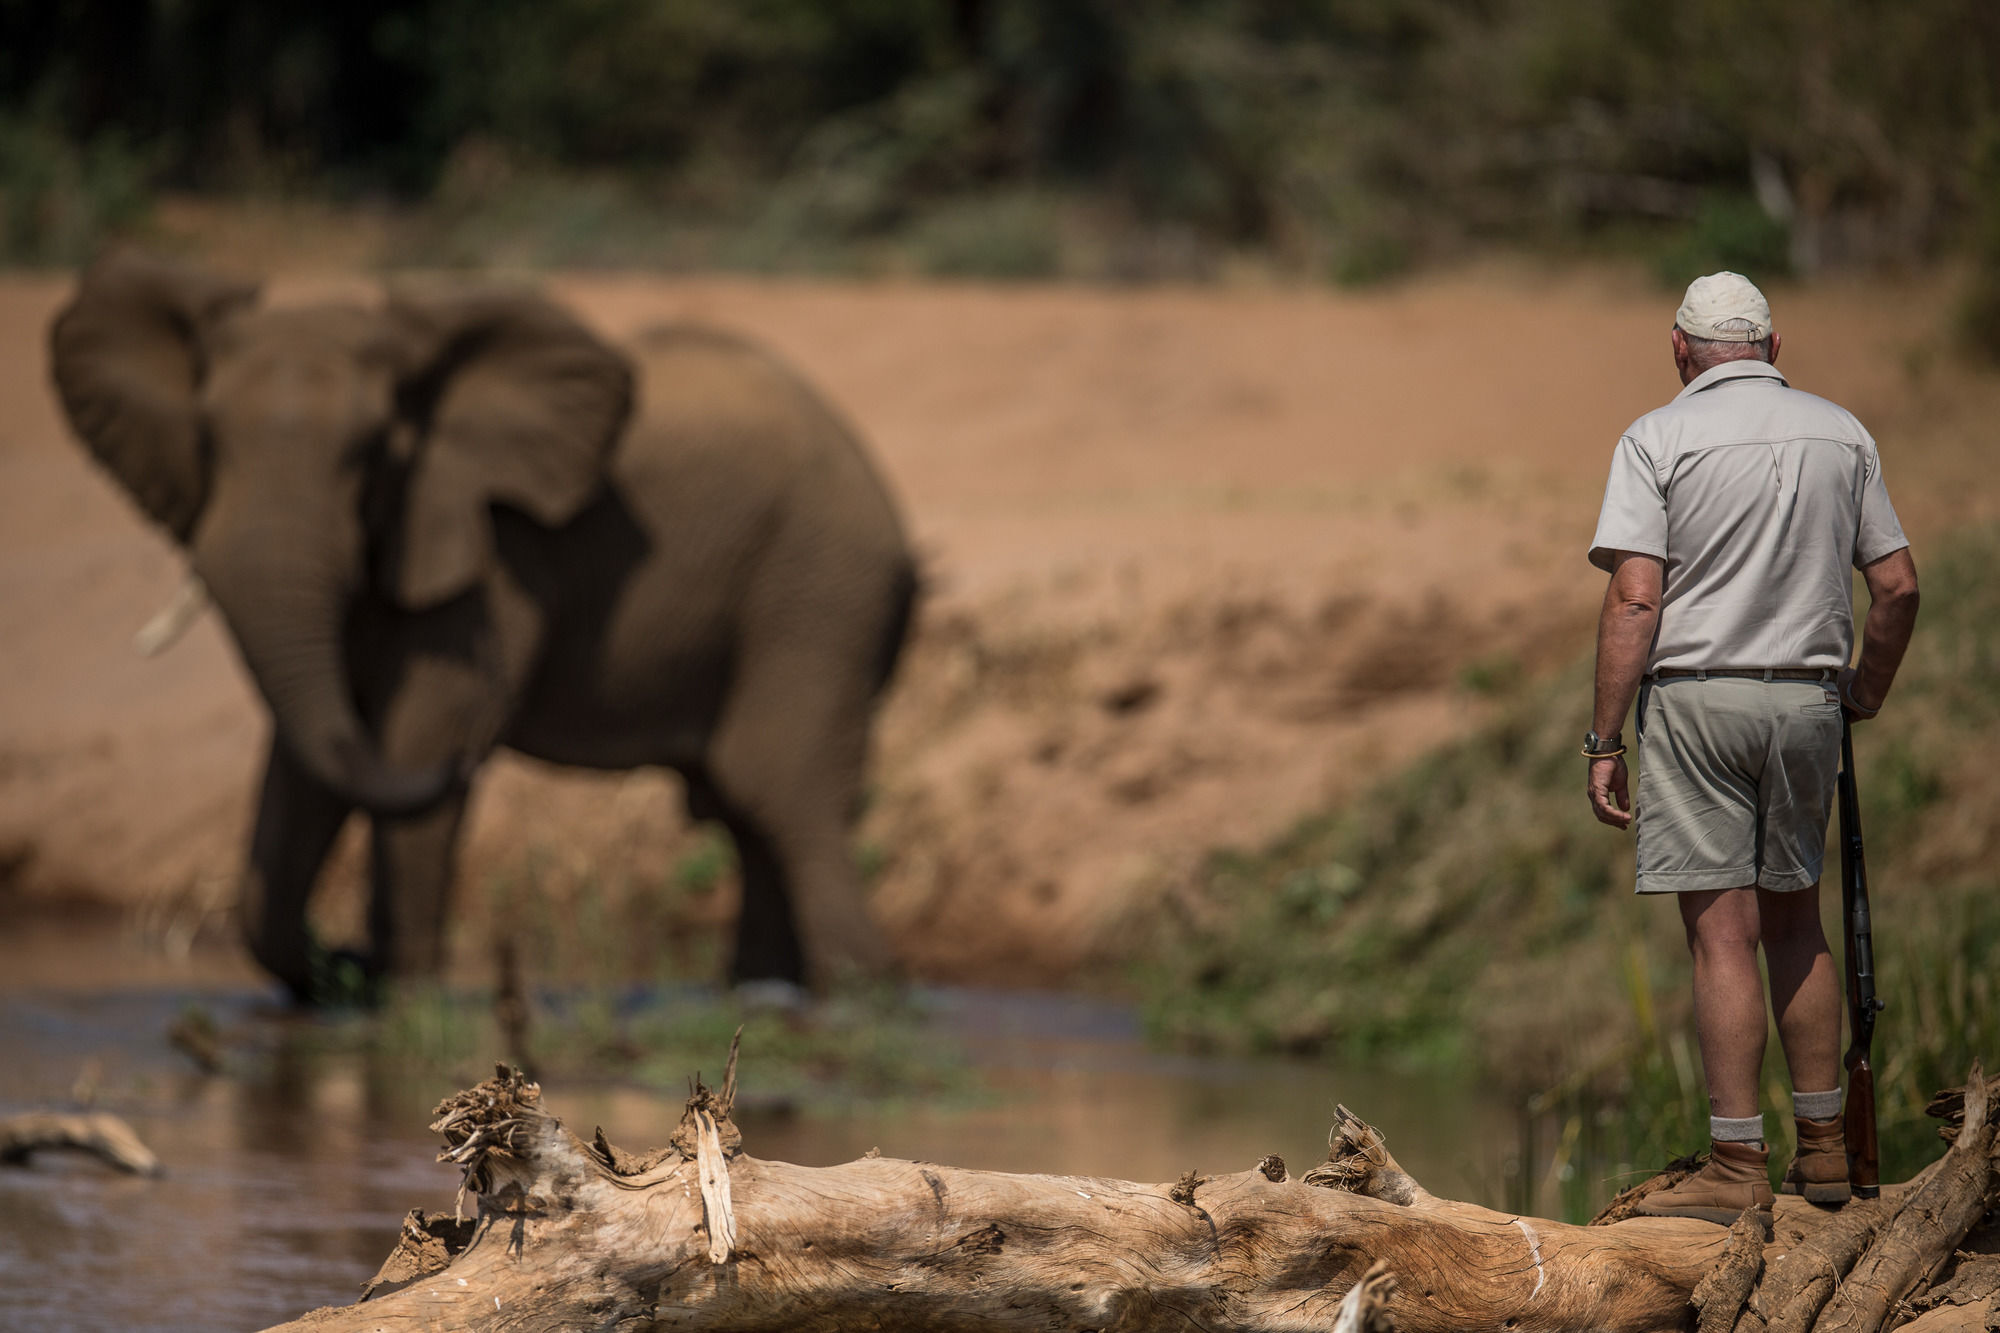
x=1725, y=307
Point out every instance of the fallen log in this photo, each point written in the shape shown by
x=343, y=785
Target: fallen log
x=98, y=1133
x=569, y=1235
x=1983, y=1317
x=1926, y=1229
x=1797, y=1285
x=701, y=1236
x=1719, y=1298
x=1975, y=1282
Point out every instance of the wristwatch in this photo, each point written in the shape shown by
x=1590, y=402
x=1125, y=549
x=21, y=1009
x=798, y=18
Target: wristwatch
x=1602, y=747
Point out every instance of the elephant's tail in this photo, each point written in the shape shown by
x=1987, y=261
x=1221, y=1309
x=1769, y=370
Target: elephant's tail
x=907, y=584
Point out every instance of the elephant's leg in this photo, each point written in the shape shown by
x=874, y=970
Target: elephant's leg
x=787, y=763
x=297, y=821
x=441, y=704
x=412, y=866
x=767, y=938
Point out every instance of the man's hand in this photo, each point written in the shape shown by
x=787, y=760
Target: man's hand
x=1857, y=708
x=1610, y=801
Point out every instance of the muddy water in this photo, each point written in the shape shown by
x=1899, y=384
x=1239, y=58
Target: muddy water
x=287, y=1180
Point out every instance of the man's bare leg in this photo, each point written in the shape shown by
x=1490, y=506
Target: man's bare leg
x=1722, y=934
x=1806, y=996
x=1805, y=992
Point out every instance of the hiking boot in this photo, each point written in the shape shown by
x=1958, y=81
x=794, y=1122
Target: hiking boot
x=1735, y=1178
x=1819, y=1172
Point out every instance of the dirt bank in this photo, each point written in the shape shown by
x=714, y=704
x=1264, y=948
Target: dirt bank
x=1198, y=560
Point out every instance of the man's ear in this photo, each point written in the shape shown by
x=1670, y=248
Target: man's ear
x=1777, y=339
x=1683, y=358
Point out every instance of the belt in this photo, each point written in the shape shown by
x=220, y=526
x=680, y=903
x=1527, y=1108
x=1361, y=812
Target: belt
x=1754, y=673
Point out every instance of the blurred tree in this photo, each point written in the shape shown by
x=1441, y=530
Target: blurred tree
x=1980, y=317
x=1354, y=134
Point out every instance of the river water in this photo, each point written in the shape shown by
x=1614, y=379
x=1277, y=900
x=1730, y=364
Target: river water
x=287, y=1179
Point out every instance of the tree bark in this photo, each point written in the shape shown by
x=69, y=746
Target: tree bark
x=1926, y=1230
x=1720, y=1296
x=576, y=1236
x=699, y=1236
x=1982, y=1317
x=1796, y=1288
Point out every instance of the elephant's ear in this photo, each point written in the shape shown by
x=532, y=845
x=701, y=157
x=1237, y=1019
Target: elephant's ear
x=127, y=360
x=515, y=402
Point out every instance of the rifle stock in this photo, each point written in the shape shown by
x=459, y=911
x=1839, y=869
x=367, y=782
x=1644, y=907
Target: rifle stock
x=1863, y=1152
x=1864, y=1166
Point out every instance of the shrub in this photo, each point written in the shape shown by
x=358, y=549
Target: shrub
x=61, y=201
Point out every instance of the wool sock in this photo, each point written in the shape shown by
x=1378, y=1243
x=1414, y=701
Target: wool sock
x=1816, y=1105
x=1748, y=1129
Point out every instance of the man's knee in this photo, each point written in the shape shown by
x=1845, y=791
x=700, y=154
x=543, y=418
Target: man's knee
x=1791, y=919
x=1721, y=920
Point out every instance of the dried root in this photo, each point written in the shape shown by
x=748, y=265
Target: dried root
x=99, y=1133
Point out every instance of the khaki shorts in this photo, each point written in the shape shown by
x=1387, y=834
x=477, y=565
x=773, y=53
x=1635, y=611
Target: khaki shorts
x=1736, y=781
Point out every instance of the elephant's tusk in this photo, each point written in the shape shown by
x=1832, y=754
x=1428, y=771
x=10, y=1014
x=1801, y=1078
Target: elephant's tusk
x=172, y=620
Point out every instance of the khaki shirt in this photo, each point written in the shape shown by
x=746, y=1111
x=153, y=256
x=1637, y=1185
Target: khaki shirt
x=1759, y=498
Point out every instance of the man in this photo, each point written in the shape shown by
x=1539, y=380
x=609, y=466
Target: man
x=1729, y=523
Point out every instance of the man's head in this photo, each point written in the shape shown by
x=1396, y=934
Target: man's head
x=1722, y=318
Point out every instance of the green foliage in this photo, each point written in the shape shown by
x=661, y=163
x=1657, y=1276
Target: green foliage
x=861, y=1048
x=1010, y=236
x=1936, y=969
x=871, y=859
x=490, y=210
x=1469, y=910
x=858, y=1048
x=1496, y=674
x=426, y=1028
x=1958, y=674
x=616, y=983
x=61, y=200
x=1352, y=138
x=1979, y=316
x=584, y=930
x=702, y=869
x=1370, y=257
x=1398, y=926
x=1730, y=232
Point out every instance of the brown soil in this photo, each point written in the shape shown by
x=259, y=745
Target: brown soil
x=1198, y=562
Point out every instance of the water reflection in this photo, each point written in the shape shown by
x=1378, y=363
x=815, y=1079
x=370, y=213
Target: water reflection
x=287, y=1181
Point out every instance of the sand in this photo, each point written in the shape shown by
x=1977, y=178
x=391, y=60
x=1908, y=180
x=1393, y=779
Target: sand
x=1198, y=562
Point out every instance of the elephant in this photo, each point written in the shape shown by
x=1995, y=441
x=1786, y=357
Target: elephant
x=458, y=521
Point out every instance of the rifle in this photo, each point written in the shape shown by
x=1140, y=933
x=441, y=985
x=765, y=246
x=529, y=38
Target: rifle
x=1863, y=1157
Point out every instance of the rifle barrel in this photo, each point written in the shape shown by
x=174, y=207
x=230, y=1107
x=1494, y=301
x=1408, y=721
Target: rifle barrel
x=1863, y=1150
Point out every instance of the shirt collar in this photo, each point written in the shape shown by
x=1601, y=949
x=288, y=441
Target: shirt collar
x=1730, y=370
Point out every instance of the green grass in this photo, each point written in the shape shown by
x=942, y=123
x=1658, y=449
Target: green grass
x=852, y=1050
x=1468, y=912
x=616, y=978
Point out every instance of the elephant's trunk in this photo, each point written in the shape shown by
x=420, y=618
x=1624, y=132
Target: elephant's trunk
x=287, y=611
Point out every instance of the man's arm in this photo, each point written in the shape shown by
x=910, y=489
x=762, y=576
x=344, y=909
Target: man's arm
x=1625, y=630
x=1892, y=614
